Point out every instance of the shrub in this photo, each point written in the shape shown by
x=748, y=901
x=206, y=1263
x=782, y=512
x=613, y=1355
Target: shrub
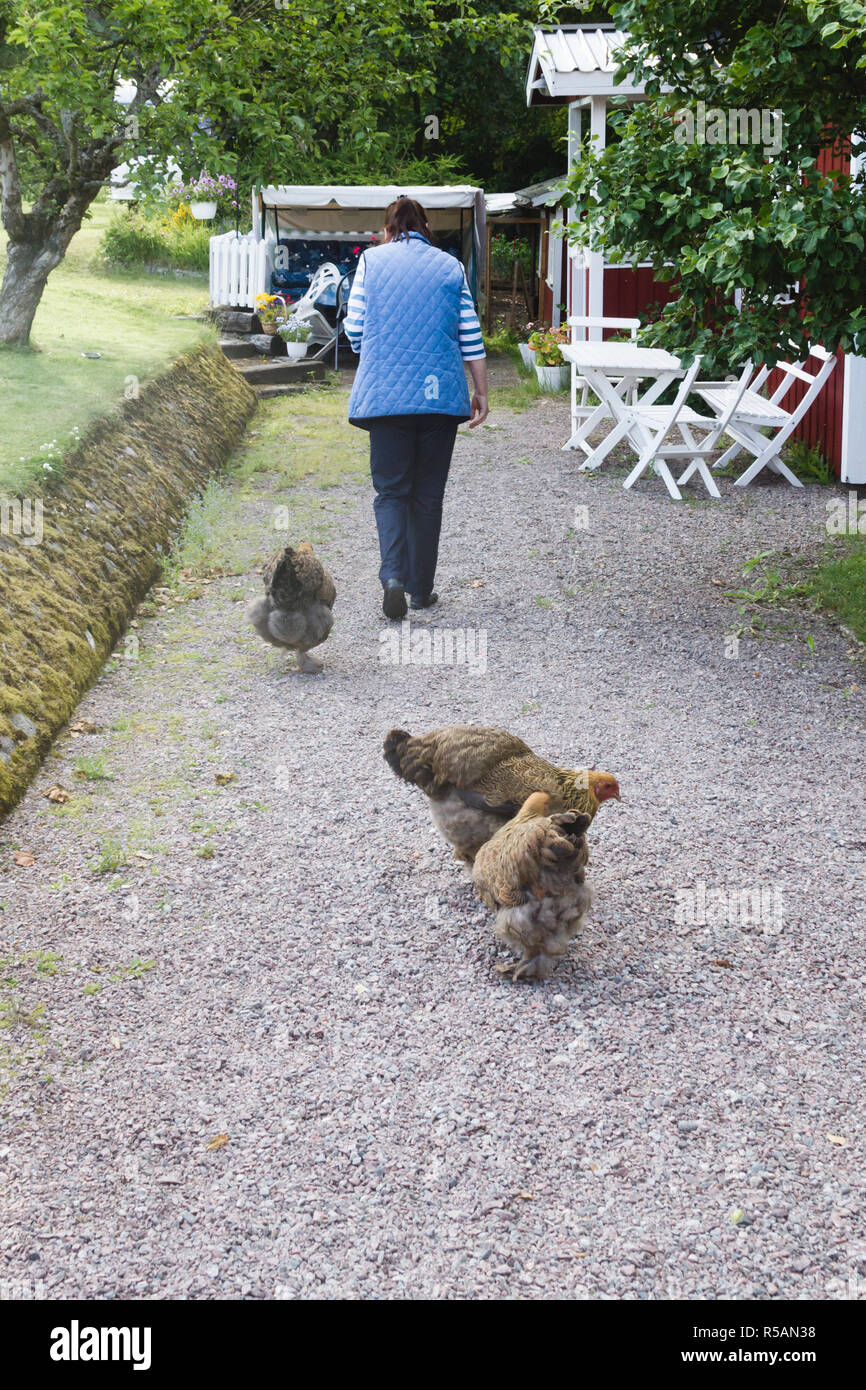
x=505, y=250
x=136, y=237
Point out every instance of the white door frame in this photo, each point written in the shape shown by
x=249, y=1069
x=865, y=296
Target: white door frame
x=853, y=469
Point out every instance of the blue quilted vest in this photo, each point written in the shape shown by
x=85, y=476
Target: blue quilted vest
x=410, y=354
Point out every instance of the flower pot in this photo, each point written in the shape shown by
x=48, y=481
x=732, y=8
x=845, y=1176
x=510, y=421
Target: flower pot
x=269, y=328
x=528, y=354
x=551, y=378
x=296, y=349
x=203, y=212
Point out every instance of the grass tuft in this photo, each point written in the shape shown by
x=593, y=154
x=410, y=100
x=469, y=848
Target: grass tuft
x=839, y=584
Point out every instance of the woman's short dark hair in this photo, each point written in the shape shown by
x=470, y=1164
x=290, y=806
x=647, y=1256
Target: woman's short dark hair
x=403, y=216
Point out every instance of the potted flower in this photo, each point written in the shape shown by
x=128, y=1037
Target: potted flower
x=550, y=366
x=529, y=349
x=294, y=333
x=207, y=195
x=268, y=309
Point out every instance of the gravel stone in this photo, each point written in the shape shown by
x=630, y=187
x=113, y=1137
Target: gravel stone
x=400, y=1120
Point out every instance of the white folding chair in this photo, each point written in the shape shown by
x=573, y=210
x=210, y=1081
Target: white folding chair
x=322, y=333
x=652, y=428
x=754, y=412
x=585, y=417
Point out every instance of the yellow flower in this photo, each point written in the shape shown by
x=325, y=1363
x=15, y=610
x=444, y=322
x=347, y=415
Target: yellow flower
x=181, y=215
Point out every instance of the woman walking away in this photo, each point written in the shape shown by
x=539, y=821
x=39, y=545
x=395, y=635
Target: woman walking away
x=410, y=316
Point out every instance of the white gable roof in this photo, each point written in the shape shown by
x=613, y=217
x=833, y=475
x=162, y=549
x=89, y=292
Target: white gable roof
x=576, y=60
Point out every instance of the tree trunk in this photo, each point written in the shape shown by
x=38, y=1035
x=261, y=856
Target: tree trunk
x=419, y=127
x=27, y=269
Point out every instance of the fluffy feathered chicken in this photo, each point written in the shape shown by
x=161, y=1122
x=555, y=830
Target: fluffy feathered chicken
x=532, y=874
x=477, y=779
x=296, y=609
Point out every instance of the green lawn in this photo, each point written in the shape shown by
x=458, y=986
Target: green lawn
x=841, y=585
x=130, y=318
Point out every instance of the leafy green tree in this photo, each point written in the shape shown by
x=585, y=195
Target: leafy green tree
x=472, y=82
x=294, y=90
x=754, y=217
x=62, y=131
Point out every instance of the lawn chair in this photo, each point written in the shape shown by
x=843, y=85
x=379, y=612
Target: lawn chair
x=652, y=428
x=755, y=412
x=324, y=284
x=585, y=417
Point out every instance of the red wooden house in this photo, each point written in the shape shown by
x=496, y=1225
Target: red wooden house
x=575, y=65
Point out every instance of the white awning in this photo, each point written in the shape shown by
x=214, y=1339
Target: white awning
x=546, y=194
x=503, y=202
x=359, y=210
x=311, y=195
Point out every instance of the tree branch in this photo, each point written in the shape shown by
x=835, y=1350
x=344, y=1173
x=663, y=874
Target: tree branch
x=25, y=105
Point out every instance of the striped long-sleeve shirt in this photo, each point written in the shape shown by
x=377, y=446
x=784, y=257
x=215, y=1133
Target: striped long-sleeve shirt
x=469, y=333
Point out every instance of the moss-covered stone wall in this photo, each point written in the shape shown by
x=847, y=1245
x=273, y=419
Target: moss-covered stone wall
x=107, y=516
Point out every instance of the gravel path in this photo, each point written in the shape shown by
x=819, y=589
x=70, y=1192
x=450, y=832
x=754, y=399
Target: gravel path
x=293, y=960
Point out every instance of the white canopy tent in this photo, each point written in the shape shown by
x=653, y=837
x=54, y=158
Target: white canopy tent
x=240, y=266
x=359, y=209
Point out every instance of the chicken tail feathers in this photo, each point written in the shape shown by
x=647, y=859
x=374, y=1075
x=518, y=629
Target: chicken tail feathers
x=394, y=749
x=411, y=759
x=293, y=575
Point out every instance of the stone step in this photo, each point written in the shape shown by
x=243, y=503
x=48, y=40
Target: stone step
x=289, y=388
x=281, y=369
x=230, y=320
x=235, y=348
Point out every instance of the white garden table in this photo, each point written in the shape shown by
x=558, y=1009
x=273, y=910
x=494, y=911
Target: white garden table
x=613, y=370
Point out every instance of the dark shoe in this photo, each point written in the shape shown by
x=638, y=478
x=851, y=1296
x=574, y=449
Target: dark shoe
x=394, y=599
x=419, y=601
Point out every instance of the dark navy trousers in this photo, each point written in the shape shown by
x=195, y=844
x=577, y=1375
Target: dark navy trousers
x=410, y=456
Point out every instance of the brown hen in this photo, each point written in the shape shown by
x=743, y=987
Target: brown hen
x=295, y=611
x=477, y=779
x=532, y=874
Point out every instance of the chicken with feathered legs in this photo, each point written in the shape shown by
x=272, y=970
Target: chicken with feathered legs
x=296, y=609
x=532, y=874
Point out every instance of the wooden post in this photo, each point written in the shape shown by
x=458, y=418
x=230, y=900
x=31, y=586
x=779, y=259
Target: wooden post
x=853, y=456
x=595, y=260
x=526, y=298
x=489, y=305
x=576, y=262
x=512, y=311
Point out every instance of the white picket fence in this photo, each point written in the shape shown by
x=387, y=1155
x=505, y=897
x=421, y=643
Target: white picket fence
x=239, y=269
